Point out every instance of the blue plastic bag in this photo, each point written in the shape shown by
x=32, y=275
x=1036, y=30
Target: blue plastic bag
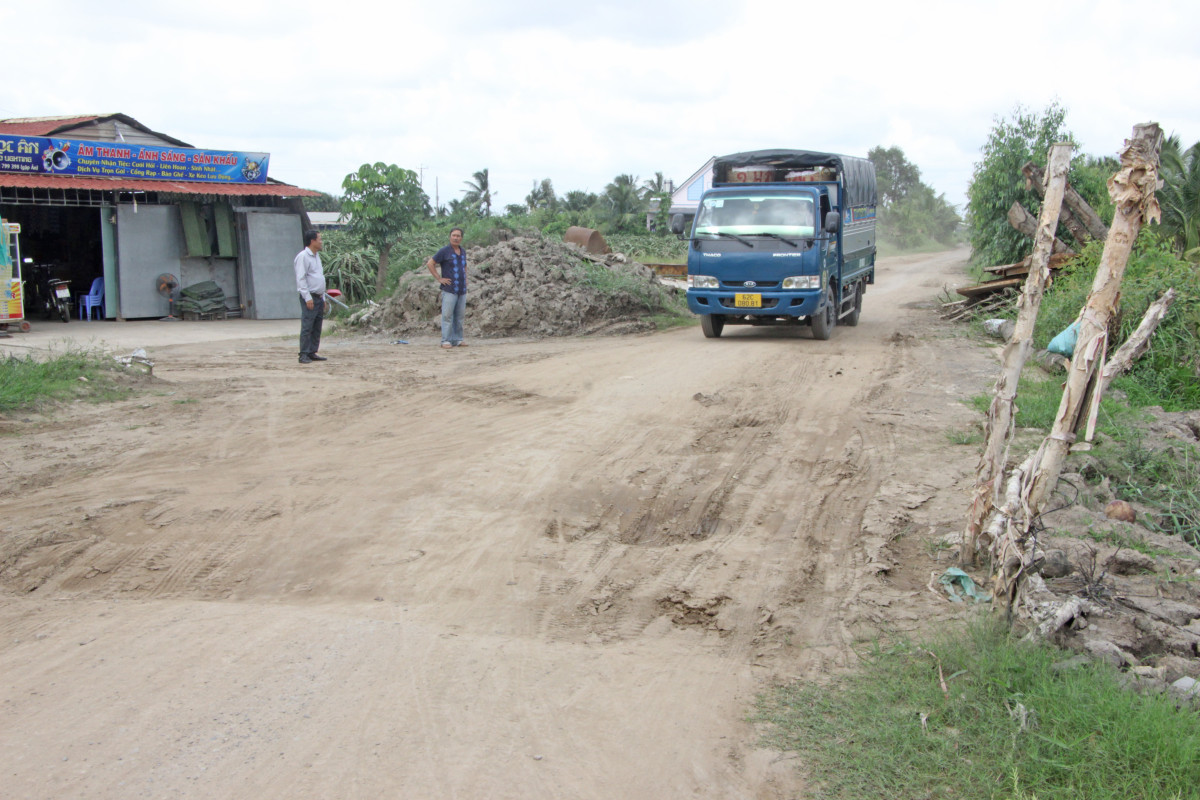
x=1064, y=343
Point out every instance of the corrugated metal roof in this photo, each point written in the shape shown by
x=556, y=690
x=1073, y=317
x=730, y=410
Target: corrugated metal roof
x=44, y=126
x=50, y=126
x=36, y=181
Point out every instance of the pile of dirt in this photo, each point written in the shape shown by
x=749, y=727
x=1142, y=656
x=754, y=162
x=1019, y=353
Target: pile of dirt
x=531, y=286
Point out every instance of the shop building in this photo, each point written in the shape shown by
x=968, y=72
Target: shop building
x=103, y=196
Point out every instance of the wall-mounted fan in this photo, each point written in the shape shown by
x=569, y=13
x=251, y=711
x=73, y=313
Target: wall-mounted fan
x=166, y=284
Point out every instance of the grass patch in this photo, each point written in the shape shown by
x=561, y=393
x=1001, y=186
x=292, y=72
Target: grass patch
x=965, y=437
x=618, y=281
x=1166, y=480
x=1008, y=726
x=1125, y=539
x=26, y=383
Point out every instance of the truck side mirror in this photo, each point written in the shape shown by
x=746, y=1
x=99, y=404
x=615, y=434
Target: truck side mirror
x=833, y=221
x=677, y=223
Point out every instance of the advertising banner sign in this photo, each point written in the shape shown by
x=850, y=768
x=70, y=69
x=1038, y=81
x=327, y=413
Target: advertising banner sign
x=54, y=156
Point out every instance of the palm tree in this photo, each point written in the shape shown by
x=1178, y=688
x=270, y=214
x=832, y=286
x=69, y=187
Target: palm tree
x=1180, y=196
x=541, y=196
x=625, y=203
x=654, y=187
x=478, y=193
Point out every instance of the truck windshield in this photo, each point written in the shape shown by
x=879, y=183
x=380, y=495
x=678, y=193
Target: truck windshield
x=756, y=215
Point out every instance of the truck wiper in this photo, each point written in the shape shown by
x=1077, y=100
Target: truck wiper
x=792, y=242
x=741, y=239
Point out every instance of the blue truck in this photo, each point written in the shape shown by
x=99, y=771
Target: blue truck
x=784, y=237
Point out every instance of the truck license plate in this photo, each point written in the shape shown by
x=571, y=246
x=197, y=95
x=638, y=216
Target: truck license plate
x=747, y=300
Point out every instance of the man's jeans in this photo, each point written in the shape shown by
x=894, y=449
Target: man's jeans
x=453, y=307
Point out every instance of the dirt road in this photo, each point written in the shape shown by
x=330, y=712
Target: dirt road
x=523, y=569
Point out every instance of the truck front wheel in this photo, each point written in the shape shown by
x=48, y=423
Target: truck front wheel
x=823, y=321
x=712, y=325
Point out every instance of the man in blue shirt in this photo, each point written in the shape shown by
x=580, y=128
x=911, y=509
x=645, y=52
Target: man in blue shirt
x=452, y=260
x=310, y=282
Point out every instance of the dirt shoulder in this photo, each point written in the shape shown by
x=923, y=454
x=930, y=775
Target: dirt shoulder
x=526, y=568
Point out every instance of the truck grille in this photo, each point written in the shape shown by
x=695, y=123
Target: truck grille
x=740, y=285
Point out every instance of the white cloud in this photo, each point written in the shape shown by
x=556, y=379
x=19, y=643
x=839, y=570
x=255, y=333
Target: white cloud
x=582, y=92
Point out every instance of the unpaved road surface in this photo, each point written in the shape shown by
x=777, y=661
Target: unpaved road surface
x=523, y=569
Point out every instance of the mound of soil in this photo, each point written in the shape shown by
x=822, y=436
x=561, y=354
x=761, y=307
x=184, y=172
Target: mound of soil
x=530, y=286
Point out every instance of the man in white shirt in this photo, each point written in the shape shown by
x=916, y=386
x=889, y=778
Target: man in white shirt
x=310, y=282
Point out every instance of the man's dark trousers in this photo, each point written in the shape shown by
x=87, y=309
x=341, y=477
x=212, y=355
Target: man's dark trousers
x=310, y=325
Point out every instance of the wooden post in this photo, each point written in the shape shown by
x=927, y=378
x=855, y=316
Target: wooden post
x=1035, y=179
x=990, y=473
x=1138, y=341
x=1079, y=207
x=1132, y=190
x=1020, y=218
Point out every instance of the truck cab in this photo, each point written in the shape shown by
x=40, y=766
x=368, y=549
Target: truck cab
x=783, y=237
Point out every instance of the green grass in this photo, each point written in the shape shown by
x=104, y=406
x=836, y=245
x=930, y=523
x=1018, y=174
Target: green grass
x=969, y=436
x=26, y=383
x=889, y=730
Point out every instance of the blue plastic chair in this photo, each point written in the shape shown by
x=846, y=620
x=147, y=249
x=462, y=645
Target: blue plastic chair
x=93, y=299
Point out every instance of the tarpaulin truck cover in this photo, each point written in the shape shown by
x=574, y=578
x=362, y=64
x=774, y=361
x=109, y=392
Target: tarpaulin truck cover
x=858, y=174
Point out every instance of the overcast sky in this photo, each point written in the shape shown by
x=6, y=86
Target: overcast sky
x=580, y=92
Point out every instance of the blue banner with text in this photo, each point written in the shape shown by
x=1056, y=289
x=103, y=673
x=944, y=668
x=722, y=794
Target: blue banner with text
x=53, y=156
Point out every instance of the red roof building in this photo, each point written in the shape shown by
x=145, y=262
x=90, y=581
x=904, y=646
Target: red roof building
x=126, y=229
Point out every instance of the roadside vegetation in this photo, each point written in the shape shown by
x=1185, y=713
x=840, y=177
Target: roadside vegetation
x=979, y=713
x=30, y=384
x=912, y=218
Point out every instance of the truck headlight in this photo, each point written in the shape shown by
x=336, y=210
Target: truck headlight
x=705, y=282
x=802, y=282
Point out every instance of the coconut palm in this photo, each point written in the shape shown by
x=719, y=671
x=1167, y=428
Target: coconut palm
x=626, y=206
x=541, y=196
x=478, y=193
x=654, y=187
x=1180, y=196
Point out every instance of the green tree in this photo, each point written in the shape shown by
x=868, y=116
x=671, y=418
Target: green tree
x=515, y=210
x=384, y=201
x=479, y=194
x=578, y=200
x=895, y=175
x=542, y=196
x=997, y=182
x=625, y=207
x=654, y=187
x=1179, y=196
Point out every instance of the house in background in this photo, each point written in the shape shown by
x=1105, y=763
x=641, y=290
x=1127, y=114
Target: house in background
x=106, y=196
x=685, y=198
x=328, y=220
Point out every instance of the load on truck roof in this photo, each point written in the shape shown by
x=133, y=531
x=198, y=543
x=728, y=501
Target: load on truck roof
x=779, y=166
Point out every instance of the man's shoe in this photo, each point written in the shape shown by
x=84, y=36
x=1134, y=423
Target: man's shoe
x=306, y=359
x=315, y=357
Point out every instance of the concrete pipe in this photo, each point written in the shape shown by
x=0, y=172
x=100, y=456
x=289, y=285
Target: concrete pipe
x=587, y=238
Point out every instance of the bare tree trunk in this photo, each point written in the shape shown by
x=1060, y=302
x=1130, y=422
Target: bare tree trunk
x=1020, y=218
x=990, y=472
x=381, y=275
x=1138, y=341
x=1035, y=178
x=1078, y=207
x=1132, y=190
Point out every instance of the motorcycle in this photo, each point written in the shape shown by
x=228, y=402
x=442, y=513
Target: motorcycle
x=50, y=295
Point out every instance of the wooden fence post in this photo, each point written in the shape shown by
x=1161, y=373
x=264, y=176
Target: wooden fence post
x=990, y=472
x=1132, y=190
